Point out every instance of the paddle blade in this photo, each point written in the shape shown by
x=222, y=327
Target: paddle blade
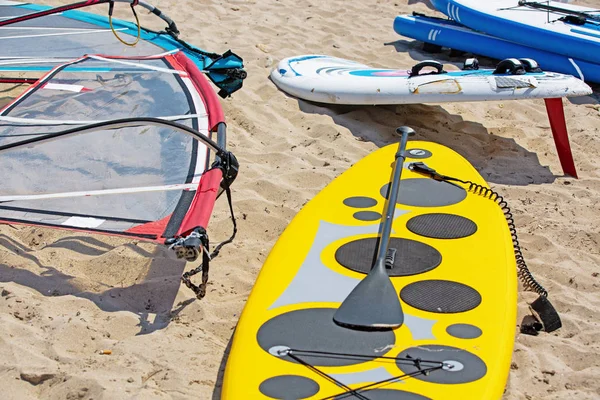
x=372, y=305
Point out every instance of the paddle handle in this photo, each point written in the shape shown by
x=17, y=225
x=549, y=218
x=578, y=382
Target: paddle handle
x=390, y=204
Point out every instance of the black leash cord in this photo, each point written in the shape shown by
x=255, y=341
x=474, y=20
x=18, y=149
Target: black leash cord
x=524, y=274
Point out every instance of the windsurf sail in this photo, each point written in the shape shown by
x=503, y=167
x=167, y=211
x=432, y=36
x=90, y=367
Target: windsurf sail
x=37, y=38
x=118, y=145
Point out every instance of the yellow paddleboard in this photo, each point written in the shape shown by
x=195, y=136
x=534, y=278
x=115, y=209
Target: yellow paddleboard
x=453, y=269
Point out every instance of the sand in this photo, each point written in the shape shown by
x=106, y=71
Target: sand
x=67, y=297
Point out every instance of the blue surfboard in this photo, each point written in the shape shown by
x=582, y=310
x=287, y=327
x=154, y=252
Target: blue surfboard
x=453, y=35
x=561, y=28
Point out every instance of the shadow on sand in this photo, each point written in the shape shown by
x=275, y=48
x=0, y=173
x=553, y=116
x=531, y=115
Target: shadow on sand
x=152, y=299
x=221, y=374
x=427, y=3
x=493, y=156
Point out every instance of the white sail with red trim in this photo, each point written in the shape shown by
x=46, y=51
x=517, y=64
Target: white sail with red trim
x=139, y=180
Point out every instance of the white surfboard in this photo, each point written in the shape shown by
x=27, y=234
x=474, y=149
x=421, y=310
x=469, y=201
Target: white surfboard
x=332, y=80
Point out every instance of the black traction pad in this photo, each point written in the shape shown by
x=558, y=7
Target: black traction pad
x=289, y=387
x=367, y=216
x=425, y=192
x=461, y=365
x=441, y=226
x=360, y=202
x=439, y=296
x=313, y=329
x=464, y=331
x=412, y=257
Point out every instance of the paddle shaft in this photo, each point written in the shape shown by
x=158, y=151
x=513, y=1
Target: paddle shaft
x=390, y=205
x=374, y=303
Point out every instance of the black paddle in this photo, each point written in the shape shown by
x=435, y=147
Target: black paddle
x=374, y=303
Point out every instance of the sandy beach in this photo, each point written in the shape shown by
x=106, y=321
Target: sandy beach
x=68, y=297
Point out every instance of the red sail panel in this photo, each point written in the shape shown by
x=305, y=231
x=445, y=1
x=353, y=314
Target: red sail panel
x=203, y=203
x=209, y=97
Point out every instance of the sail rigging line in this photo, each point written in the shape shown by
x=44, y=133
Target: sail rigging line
x=138, y=65
x=18, y=81
x=111, y=6
x=145, y=236
x=89, y=193
x=48, y=76
x=218, y=247
x=50, y=28
x=73, y=214
x=118, y=124
x=79, y=32
x=226, y=162
x=29, y=60
x=54, y=122
x=65, y=67
x=7, y=61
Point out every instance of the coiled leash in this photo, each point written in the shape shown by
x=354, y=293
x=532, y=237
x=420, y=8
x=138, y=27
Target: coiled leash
x=544, y=316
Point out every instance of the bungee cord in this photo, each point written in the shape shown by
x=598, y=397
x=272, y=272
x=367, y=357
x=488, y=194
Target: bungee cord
x=358, y=392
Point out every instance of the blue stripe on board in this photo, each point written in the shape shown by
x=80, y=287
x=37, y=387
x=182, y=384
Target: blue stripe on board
x=304, y=58
x=585, y=33
x=488, y=72
x=296, y=59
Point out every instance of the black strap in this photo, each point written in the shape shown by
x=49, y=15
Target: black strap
x=511, y=66
x=215, y=252
x=200, y=290
x=544, y=318
x=416, y=69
